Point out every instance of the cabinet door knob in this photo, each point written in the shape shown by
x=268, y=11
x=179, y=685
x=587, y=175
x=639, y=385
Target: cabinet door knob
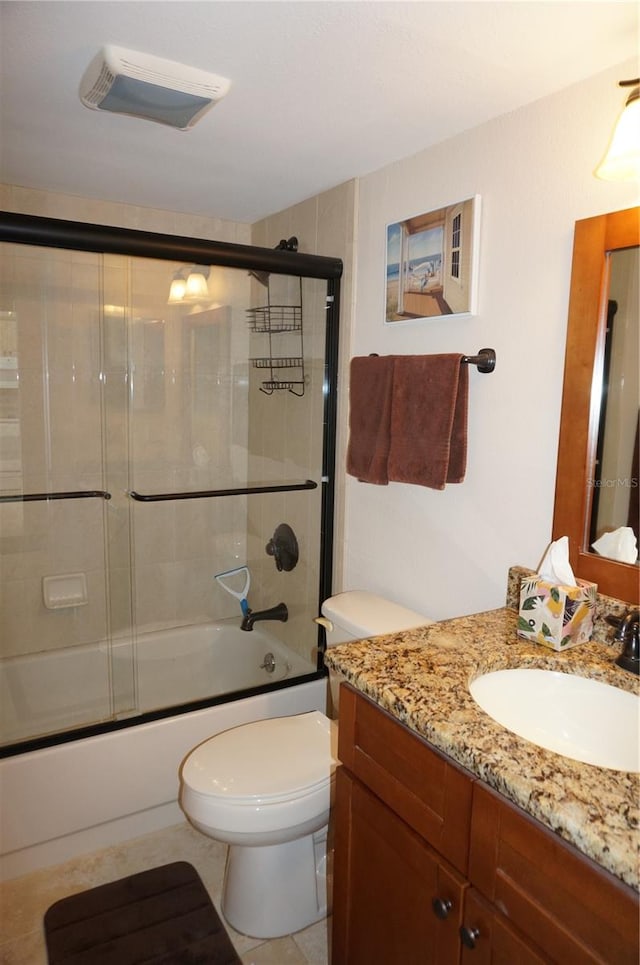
x=469, y=936
x=441, y=907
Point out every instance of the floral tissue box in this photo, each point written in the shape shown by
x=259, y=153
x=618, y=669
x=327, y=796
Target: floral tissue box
x=556, y=616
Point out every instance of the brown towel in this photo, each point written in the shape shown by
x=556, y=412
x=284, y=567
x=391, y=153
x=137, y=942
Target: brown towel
x=370, y=418
x=429, y=420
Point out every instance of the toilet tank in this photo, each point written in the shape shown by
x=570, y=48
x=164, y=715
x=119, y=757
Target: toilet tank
x=357, y=614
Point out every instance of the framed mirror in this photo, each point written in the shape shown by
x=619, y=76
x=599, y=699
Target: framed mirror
x=597, y=477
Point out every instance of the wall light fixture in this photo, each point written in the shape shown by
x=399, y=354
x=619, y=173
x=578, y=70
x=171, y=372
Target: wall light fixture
x=178, y=288
x=622, y=159
x=196, y=287
x=189, y=285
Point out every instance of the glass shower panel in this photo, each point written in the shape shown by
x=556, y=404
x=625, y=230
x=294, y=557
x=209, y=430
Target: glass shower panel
x=116, y=320
x=54, y=643
x=188, y=363
x=201, y=426
x=285, y=439
x=188, y=416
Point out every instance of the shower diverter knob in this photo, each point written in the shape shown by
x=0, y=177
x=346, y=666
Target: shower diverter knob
x=283, y=546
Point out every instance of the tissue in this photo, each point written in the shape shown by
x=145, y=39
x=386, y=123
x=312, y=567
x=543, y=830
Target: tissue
x=555, y=566
x=556, y=609
x=620, y=544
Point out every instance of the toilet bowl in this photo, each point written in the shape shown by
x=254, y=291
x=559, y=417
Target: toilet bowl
x=265, y=789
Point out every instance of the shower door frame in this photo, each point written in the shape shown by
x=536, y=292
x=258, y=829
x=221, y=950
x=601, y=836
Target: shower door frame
x=44, y=232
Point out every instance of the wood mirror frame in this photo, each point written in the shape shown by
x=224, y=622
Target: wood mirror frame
x=594, y=239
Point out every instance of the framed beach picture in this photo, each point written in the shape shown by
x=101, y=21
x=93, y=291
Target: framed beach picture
x=432, y=263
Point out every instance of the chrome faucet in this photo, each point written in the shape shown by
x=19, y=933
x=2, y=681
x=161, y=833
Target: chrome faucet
x=278, y=612
x=628, y=634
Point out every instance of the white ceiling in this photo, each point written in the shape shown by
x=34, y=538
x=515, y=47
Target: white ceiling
x=321, y=91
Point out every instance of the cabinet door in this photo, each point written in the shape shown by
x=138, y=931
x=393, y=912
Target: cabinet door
x=426, y=789
x=386, y=881
x=489, y=939
x=575, y=911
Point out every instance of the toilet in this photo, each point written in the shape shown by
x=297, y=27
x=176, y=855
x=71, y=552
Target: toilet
x=357, y=614
x=265, y=789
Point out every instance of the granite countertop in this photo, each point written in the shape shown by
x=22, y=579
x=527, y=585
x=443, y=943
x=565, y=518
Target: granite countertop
x=422, y=678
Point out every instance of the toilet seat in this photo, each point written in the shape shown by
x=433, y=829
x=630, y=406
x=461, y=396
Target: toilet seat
x=266, y=761
x=263, y=776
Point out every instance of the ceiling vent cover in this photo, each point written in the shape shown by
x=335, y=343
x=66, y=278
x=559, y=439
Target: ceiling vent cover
x=141, y=85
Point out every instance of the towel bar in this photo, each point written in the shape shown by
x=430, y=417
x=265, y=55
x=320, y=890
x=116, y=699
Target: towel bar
x=485, y=360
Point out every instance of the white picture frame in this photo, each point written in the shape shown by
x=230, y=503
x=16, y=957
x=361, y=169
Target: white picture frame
x=432, y=263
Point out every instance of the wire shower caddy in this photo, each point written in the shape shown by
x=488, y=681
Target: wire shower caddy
x=284, y=370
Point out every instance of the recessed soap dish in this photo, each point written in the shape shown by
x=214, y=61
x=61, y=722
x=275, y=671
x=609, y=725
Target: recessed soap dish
x=66, y=590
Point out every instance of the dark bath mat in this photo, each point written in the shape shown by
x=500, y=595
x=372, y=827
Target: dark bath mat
x=159, y=917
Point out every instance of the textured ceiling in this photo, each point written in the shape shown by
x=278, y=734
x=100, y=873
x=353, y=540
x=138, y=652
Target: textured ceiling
x=321, y=91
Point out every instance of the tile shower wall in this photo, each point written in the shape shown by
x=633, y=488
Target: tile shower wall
x=284, y=423
x=291, y=427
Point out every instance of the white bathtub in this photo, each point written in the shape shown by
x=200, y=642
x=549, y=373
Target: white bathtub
x=90, y=793
x=210, y=661
x=53, y=691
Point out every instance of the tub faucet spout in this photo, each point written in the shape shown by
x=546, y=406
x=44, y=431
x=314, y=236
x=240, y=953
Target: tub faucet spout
x=278, y=612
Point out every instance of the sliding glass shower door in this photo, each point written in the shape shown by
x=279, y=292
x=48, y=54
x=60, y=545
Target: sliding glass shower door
x=152, y=436
x=55, y=619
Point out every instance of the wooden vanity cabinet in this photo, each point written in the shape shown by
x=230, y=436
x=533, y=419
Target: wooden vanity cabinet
x=431, y=866
x=490, y=939
x=577, y=912
x=425, y=788
x=402, y=816
x=383, y=893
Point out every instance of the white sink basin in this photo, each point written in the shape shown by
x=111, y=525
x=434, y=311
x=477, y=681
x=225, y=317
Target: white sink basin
x=580, y=718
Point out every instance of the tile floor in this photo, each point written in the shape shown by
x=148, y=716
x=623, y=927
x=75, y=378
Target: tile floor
x=23, y=901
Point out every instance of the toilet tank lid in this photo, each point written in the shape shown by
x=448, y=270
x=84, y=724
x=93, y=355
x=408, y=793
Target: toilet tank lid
x=365, y=614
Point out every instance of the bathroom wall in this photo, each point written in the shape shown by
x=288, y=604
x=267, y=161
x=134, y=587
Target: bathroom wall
x=62, y=445
x=446, y=553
